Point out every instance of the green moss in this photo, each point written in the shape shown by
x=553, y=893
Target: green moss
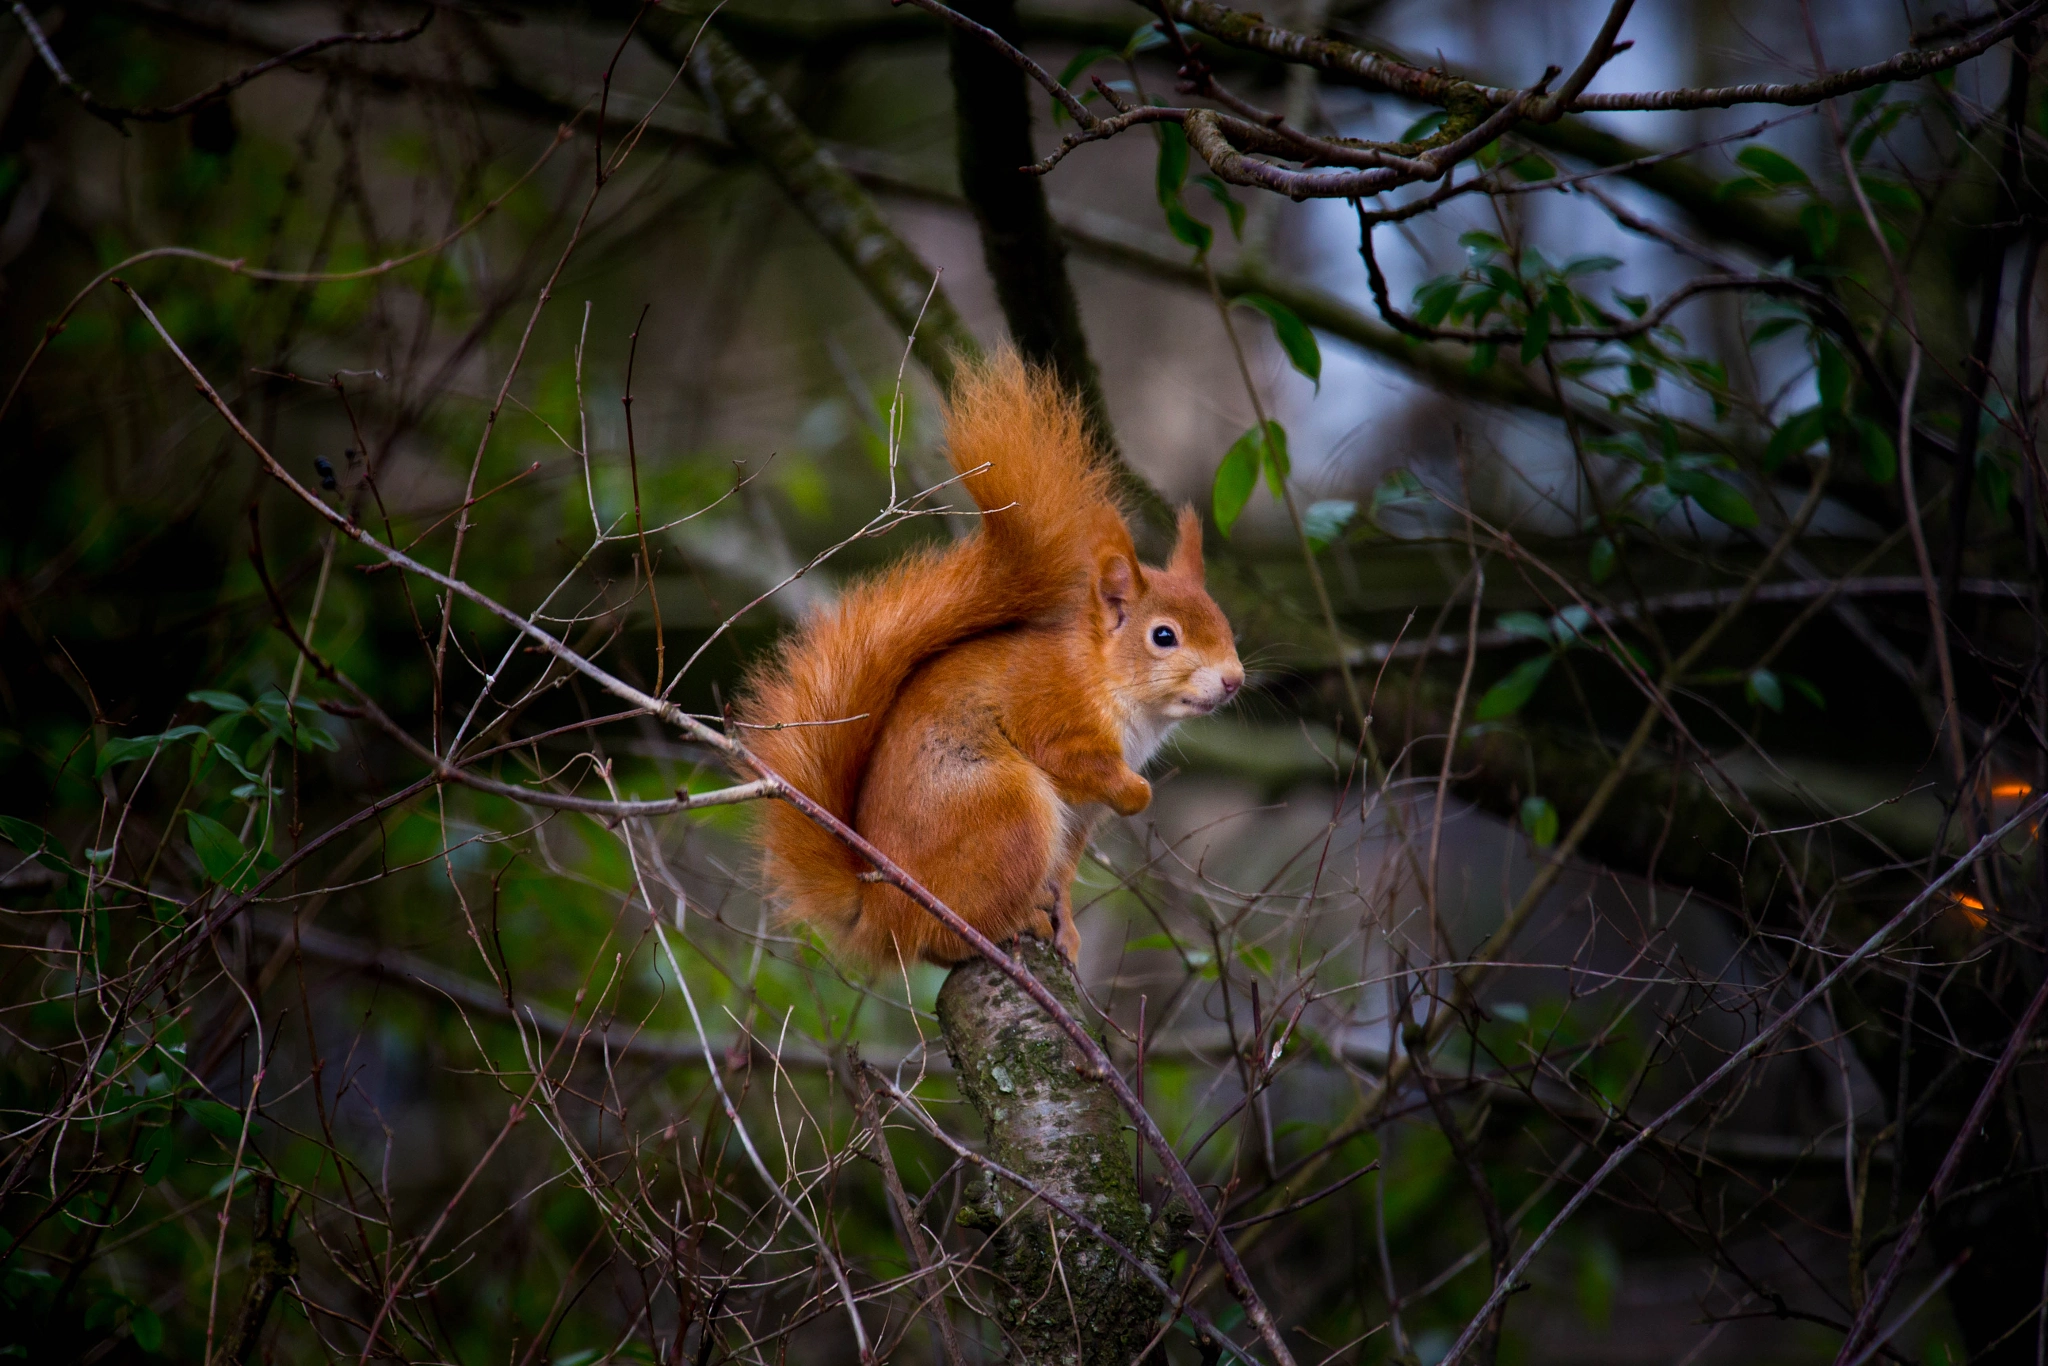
x=1063, y=1132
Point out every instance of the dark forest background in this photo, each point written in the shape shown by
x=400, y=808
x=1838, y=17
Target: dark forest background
x=1680, y=463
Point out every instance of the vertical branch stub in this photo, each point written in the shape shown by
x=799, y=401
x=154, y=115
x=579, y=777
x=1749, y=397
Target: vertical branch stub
x=1064, y=1297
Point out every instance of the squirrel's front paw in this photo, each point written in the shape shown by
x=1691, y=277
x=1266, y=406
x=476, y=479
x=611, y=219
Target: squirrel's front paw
x=1131, y=796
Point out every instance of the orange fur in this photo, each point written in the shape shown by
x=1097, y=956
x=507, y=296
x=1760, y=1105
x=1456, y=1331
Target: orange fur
x=988, y=702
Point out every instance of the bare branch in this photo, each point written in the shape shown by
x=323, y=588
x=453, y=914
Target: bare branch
x=117, y=114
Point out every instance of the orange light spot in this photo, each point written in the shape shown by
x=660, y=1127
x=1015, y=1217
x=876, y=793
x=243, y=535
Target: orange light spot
x=2007, y=791
x=1973, y=911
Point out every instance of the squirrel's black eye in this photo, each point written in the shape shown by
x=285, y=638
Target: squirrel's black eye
x=1164, y=638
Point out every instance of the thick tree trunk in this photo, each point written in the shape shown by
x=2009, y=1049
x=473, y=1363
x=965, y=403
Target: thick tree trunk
x=1064, y=1298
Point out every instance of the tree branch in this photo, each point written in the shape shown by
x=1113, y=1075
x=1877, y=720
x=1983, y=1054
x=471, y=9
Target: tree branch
x=824, y=193
x=118, y=115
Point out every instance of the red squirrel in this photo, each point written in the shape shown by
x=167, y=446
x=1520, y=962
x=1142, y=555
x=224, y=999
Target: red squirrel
x=976, y=710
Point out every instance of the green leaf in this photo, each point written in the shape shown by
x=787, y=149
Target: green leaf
x=226, y=751
x=222, y=1121
x=1538, y=335
x=1481, y=243
x=275, y=712
x=1589, y=265
x=1483, y=356
x=29, y=838
x=1822, y=225
x=1539, y=818
x=1189, y=230
x=1831, y=373
x=1627, y=655
x=220, y=850
x=219, y=701
x=141, y=746
x=1720, y=501
x=1399, y=489
x=310, y=737
x=1324, y=521
x=1880, y=457
x=1149, y=35
x=1886, y=193
x=1800, y=433
x=1476, y=305
x=1172, y=171
x=1503, y=279
x=1154, y=941
x=36, y=842
x=1600, y=560
x=1424, y=126
x=1563, y=304
x=1773, y=327
x=1533, y=167
x=1741, y=188
x=1860, y=146
x=1434, y=299
x=156, y=1153
x=1508, y=696
x=1278, y=465
x=1667, y=437
x=1293, y=334
x=1867, y=101
x=1774, y=168
x=1220, y=192
x=241, y=1177
x=1805, y=689
x=1236, y=477
x=1762, y=687
x=147, y=1330
x=1259, y=960
x=1524, y=624
x=1085, y=58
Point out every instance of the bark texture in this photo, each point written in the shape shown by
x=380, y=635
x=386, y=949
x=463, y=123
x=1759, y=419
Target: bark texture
x=1066, y=1300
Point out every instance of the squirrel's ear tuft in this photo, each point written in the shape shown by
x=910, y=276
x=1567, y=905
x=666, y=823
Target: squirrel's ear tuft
x=1186, y=561
x=1116, y=583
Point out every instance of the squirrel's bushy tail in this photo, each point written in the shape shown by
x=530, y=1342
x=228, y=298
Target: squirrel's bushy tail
x=1048, y=514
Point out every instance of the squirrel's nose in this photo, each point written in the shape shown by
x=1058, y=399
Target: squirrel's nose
x=1232, y=684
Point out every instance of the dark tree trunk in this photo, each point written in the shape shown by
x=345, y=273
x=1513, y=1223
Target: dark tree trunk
x=1019, y=240
x=1064, y=1298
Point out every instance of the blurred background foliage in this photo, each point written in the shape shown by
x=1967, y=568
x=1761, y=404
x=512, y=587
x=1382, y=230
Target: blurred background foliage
x=442, y=1079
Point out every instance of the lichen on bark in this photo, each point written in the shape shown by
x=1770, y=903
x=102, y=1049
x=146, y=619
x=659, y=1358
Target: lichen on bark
x=1063, y=1297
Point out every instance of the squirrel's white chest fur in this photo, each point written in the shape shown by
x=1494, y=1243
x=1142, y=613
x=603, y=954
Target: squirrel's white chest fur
x=1144, y=732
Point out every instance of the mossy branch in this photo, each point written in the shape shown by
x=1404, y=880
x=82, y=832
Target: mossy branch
x=1065, y=1297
